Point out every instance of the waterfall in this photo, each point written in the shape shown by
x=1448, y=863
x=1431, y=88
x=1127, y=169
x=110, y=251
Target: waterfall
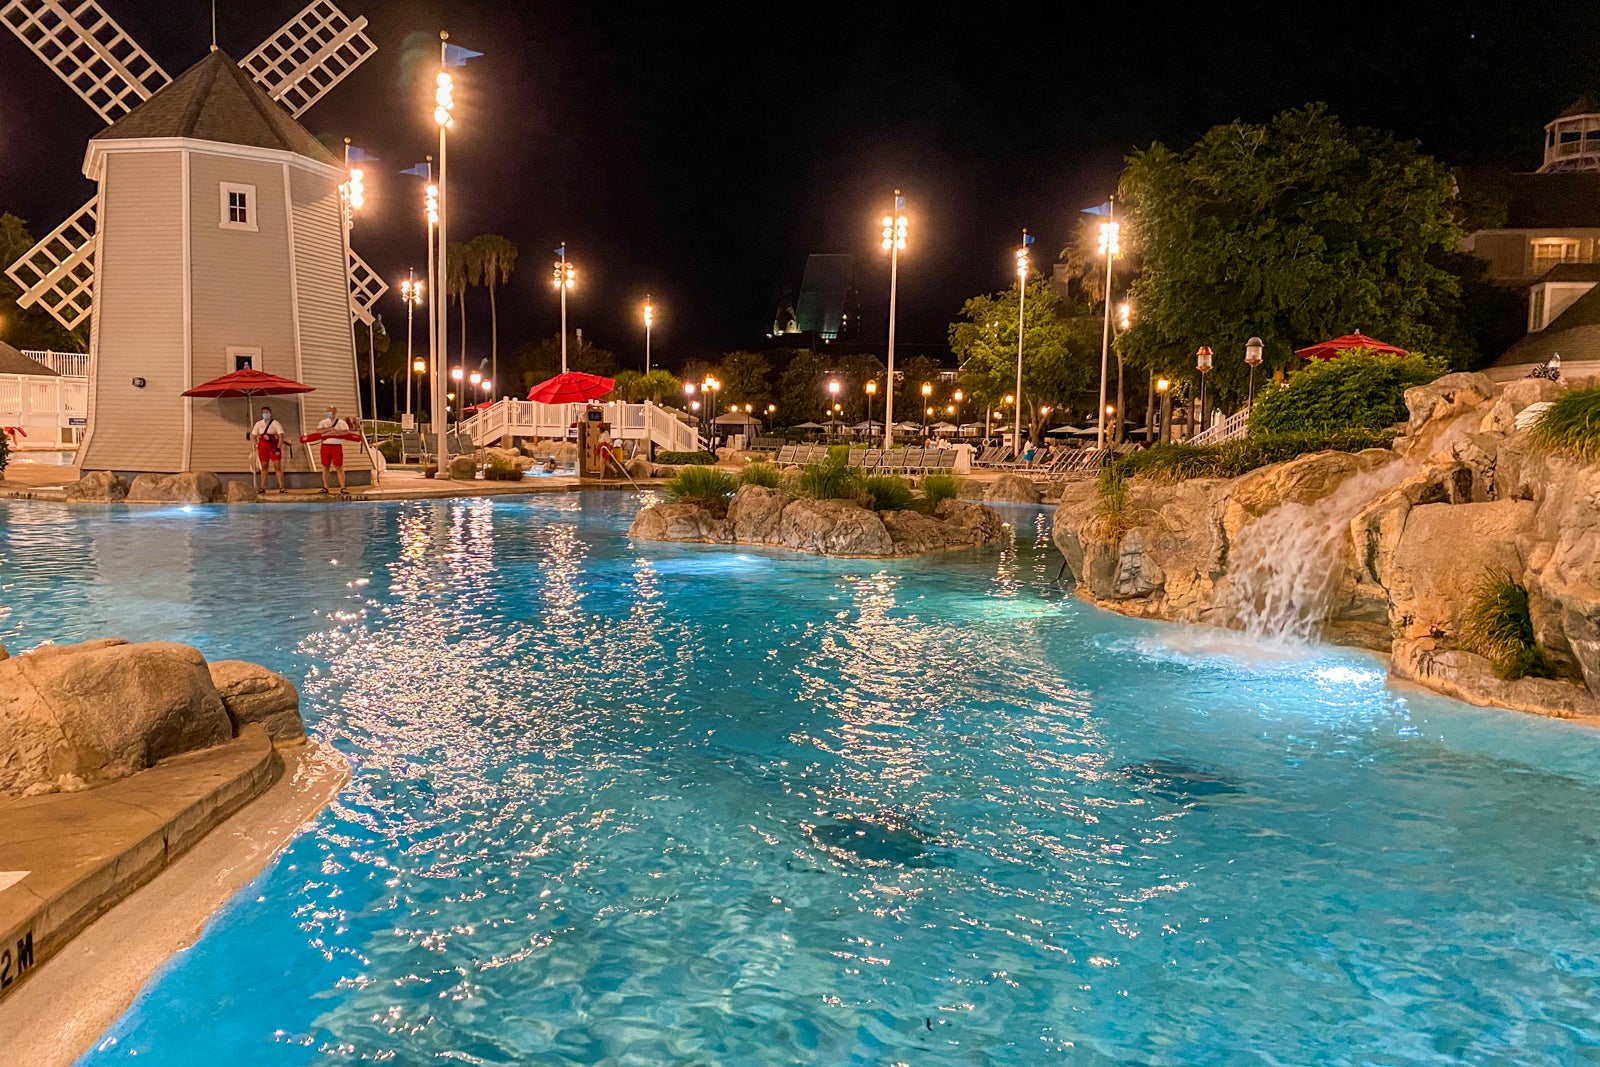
x=1287, y=566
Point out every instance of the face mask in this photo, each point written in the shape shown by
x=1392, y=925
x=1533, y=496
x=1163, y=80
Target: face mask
x=330, y=414
x=266, y=416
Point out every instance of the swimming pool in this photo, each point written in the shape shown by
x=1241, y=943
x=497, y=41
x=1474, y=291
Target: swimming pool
x=670, y=804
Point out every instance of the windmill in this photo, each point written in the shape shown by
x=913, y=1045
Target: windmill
x=174, y=289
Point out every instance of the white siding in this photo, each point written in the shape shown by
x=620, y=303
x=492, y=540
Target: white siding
x=139, y=317
x=327, y=353
x=241, y=297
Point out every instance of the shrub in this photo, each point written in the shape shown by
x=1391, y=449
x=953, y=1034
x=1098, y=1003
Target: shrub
x=828, y=480
x=701, y=485
x=1571, y=424
x=500, y=470
x=839, y=454
x=1179, y=461
x=682, y=459
x=762, y=474
x=1500, y=628
x=1359, y=390
x=937, y=487
x=889, y=492
x=1112, y=517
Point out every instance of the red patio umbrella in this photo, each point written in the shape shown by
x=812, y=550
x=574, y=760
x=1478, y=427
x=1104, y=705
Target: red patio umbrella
x=1339, y=345
x=573, y=387
x=248, y=384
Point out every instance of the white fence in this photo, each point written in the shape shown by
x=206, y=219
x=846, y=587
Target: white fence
x=632, y=422
x=51, y=412
x=67, y=364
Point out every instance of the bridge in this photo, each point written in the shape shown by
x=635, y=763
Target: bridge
x=50, y=410
x=645, y=422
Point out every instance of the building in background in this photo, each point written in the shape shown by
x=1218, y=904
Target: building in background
x=829, y=305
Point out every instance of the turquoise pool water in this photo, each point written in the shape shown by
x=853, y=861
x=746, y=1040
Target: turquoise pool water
x=658, y=804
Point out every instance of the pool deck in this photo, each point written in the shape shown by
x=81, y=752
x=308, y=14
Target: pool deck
x=116, y=879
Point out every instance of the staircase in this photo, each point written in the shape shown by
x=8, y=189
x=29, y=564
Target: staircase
x=629, y=422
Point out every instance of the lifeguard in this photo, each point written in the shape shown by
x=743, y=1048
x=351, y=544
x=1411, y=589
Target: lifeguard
x=333, y=431
x=268, y=434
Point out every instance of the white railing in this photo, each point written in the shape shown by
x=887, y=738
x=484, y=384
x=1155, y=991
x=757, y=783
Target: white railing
x=50, y=411
x=526, y=418
x=1232, y=428
x=69, y=364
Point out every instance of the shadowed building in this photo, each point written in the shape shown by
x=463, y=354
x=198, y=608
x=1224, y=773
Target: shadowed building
x=828, y=306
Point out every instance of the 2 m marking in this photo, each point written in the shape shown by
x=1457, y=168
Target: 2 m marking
x=14, y=964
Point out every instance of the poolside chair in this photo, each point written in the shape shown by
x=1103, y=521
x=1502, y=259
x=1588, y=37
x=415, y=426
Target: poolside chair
x=430, y=445
x=947, y=459
x=411, y=446
x=856, y=458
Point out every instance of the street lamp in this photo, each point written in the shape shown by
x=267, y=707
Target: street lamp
x=1022, y=296
x=1163, y=387
x=1202, y=362
x=565, y=276
x=456, y=373
x=411, y=293
x=1252, y=356
x=894, y=242
x=438, y=201
x=871, y=389
x=1110, y=247
x=959, y=397
x=649, y=321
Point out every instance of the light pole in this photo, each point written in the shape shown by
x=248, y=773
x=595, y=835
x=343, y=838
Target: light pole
x=1022, y=297
x=419, y=367
x=1202, y=362
x=649, y=321
x=1252, y=356
x=927, y=391
x=709, y=389
x=456, y=374
x=894, y=242
x=1163, y=388
x=565, y=276
x=960, y=398
x=833, y=392
x=411, y=293
x=1110, y=247
x=871, y=389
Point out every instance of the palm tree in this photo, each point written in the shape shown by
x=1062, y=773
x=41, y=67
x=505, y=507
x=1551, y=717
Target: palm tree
x=496, y=258
x=463, y=270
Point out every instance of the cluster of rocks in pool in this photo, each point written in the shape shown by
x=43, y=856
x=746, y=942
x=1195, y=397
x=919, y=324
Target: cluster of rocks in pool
x=773, y=518
x=189, y=487
x=1410, y=533
x=73, y=716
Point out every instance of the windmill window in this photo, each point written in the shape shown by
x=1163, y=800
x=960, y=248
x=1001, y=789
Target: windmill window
x=238, y=207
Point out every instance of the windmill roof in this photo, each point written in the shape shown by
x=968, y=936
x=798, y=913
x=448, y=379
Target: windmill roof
x=1584, y=105
x=1574, y=335
x=14, y=362
x=215, y=100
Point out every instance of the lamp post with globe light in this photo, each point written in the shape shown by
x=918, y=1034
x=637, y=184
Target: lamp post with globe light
x=565, y=276
x=871, y=389
x=1022, y=297
x=1110, y=247
x=1164, y=390
x=1202, y=363
x=1252, y=356
x=894, y=242
x=411, y=293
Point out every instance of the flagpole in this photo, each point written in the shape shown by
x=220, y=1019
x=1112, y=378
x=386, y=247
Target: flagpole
x=1105, y=333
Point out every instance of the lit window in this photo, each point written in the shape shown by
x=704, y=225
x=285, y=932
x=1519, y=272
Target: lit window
x=238, y=207
x=1548, y=251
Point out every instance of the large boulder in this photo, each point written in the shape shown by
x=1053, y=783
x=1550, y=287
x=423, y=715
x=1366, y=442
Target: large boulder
x=242, y=493
x=251, y=693
x=186, y=487
x=1012, y=488
x=682, y=521
x=100, y=487
x=974, y=523
x=508, y=457
x=463, y=468
x=834, y=528
x=1441, y=555
x=755, y=513
x=101, y=710
x=639, y=467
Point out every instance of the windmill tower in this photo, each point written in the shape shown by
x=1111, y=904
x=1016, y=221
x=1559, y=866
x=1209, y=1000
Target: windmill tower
x=218, y=237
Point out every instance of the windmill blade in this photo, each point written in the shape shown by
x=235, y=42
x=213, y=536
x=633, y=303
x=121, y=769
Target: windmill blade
x=87, y=50
x=58, y=272
x=365, y=288
x=309, y=55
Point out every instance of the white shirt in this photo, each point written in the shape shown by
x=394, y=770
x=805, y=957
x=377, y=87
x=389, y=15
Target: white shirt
x=339, y=425
x=263, y=428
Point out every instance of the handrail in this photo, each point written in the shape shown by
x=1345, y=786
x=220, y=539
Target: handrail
x=1232, y=428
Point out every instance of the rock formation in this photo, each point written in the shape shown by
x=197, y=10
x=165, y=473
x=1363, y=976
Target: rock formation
x=188, y=487
x=1014, y=489
x=772, y=517
x=98, y=487
x=75, y=715
x=1379, y=549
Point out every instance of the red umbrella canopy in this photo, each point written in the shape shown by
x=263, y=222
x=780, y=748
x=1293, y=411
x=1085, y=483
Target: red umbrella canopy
x=572, y=387
x=249, y=383
x=1339, y=345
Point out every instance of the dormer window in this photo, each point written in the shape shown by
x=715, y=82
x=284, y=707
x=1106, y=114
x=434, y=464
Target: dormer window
x=238, y=207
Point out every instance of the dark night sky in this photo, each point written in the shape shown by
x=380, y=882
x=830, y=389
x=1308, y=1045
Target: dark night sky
x=699, y=153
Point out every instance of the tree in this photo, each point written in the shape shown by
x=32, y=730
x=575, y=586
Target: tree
x=656, y=386
x=1294, y=231
x=1060, y=351
x=744, y=378
x=800, y=388
x=541, y=360
x=496, y=258
x=28, y=328
x=463, y=270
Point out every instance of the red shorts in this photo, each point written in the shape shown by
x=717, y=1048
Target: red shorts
x=267, y=450
x=332, y=455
